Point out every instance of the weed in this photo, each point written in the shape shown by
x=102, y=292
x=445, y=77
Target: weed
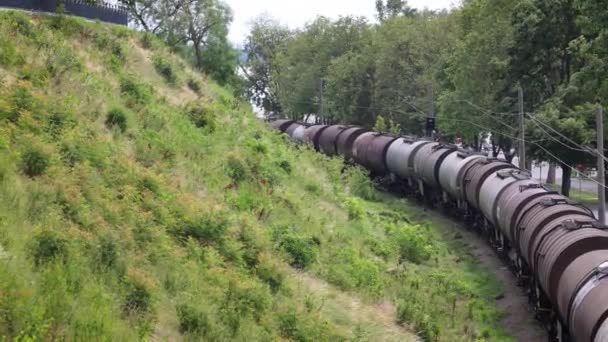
x=165, y=69
x=136, y=91
x=194, y=85
x=8, y=53
x=47, y=246
x=236, y=169
x=207, y=229
x=202, y=116
x=34, y=162
x=192, y=320
x=139, y=298
x=117, y=118
x=354, y=207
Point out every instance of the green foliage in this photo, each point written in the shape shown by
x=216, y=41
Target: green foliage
x=117, y=118
x=169, y=231
x=8, y=53
x=354, y=207
x=137, y=92
x=209, y=228
x=202, y=115
x=301, y=250
x=194, y=85
x=34, y=162
x=414, y=246
x=165, y=69
x=46, y=246
x=192, y=320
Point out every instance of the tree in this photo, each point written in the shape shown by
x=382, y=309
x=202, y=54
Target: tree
x=393, y=8
x=153, y=15
x=263, y=44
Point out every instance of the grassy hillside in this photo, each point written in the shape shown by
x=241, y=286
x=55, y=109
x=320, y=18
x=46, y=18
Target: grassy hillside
x=139, y=200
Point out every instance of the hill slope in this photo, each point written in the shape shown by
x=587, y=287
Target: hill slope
x=140, y=200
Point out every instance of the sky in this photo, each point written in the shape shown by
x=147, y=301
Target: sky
x=295, y=13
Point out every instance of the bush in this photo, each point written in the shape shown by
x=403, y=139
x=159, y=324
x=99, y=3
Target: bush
x=165, y=69
x=138, y=299
x=236, y=169
x=271, y=275
x=360, y=184
x=34, y=162
x=202, y=116
x=117, y=118
x=8, y=52
x=192, y=320
x=47, y=246
x=208, y=229
x=194, y=85
x=139, y=93
x=302, y=251
x=354, y=207
x=414, y=246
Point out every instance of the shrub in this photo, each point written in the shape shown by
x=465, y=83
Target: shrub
x=360, y=184
x=165, y=69
x=147, y=40
x=117, y=118
x=207, y=229
x=34, y=162
x=194, y=85
x=22, y=100
x=302, y=251
x=202, y=116
x=313, y=188
x=138, y=297
x=139, y=93
x=8, y=52
x=413, y=245
x=107, y=252
x=47, y=246
x=285, y=165
x=192, y=320
x=354, y=207
x=236, y=169
x=271, y=275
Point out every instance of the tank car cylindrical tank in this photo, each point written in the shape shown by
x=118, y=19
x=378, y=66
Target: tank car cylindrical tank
x=579, y=277
x=544, y=214
x=311, y=136
x=328, y=138
x=492, y=189
x=451, y=171
x=346, y=140
x=360, y=147
x=589, y=310
x=514, y=198
x=400, y=156
x=299, y=134
x=281, y=125
x=558, y=247
x=423, y=153
x=375, y=157
x=477, y=174
x=432, y=164
x=291, y=128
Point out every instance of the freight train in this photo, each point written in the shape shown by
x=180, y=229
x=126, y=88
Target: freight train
x=556, y=248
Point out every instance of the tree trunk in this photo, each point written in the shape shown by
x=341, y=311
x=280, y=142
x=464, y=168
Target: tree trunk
x=566, y=180
x=551, y=173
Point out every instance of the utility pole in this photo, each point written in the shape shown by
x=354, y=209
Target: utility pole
x=321, y=91
x=601, y=194
x=522, y=131
x=430, y=118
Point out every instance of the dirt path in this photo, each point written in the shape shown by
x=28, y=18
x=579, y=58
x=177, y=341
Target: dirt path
x=519, y=319
x=374, y=322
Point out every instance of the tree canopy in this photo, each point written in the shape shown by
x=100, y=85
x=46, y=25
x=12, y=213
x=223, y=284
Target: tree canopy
x=466, y=65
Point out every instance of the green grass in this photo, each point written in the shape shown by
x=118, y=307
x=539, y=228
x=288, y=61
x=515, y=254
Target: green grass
x=579, y=196
x=135, y=208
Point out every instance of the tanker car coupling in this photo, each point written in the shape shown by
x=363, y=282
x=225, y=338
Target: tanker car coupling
x=555, y=247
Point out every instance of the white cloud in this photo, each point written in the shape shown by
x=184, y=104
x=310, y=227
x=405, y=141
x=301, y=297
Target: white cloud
x=295, y=13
